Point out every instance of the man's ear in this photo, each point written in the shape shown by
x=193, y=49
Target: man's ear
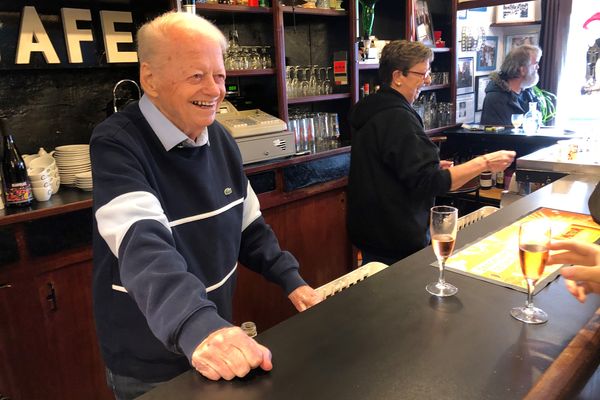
x=148, y=79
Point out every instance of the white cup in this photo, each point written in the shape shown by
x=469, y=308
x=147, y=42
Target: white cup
x=54, y=185
x=42, y=193
x=44, y=183
x=36, y=174
x=43, y=162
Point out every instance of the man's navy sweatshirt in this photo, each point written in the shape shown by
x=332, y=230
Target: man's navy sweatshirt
x=169, y=229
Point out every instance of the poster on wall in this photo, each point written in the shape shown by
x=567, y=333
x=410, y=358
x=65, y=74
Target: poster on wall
x=465, y=108
x=487, y=54
x=512, y=41
x=516, y=12
x=481, y=83
x=423, y=23
x=465, y=82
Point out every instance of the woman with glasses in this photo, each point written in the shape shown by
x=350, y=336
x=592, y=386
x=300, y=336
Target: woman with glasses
x=509, y=90
x=395, y=169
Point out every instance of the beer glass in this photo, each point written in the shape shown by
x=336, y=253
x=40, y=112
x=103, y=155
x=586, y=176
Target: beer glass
x=442, y=226
x=534, y=238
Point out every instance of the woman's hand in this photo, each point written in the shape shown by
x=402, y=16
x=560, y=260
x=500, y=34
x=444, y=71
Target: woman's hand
x=498, y=160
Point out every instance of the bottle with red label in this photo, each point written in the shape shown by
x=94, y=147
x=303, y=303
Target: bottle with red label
x=17, y=188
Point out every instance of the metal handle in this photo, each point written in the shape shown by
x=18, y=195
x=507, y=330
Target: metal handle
x=115, y=91
x=51, y=297
x=5, y=286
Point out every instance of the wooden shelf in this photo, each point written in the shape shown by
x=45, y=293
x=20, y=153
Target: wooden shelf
x=230, y=8
x=362, y=66
x=314, y=11
x=466, y=5
x=435, y=87
x=66, y=200
x=511, y=24
x=323, y=97
x=250, y=72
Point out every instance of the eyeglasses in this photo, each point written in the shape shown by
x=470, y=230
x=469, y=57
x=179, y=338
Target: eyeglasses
x=424, y=75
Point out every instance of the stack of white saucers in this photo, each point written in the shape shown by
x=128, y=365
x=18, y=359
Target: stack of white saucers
x=83, y=181
x=71, y=160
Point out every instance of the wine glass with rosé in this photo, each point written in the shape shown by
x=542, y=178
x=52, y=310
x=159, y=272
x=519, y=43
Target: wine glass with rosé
x=534, y=239
x=443, y=227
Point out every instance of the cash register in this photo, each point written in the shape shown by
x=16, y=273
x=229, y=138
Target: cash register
x=260, y=136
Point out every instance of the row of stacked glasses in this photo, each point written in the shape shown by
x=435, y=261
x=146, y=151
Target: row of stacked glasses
x=433, y=113
x=246, y=57
x=301, y=81
x=314, y=131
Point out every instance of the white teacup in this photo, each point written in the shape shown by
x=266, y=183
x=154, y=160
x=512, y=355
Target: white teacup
x=54, y=185
x=28, y=158
x=42, y=193
x=43, y=183
x=43, y=162
x=38, y=173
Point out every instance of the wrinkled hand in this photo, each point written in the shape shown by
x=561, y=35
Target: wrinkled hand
x=584, y=277
x=499, y=160
x=304, y=297
x=230, y=352
x=445, y=164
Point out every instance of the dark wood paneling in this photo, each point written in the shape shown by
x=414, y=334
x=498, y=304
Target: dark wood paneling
x=69, y=329
x=313, y=229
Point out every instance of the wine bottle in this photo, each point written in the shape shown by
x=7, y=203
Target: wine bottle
x=17, y=187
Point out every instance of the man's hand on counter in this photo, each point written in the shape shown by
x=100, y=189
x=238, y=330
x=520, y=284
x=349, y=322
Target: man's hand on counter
x=230, y=352
x=305, y=297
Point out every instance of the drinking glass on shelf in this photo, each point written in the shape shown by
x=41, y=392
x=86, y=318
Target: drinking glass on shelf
x=534, y=238
x=443, y=227
x=517, y=121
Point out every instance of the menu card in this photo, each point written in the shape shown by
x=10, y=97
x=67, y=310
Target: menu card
x=495, y=258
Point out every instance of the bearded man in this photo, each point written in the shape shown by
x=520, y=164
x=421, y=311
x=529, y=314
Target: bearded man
x=509, y=90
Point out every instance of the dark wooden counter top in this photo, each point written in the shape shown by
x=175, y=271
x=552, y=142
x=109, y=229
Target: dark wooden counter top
x=387, y=338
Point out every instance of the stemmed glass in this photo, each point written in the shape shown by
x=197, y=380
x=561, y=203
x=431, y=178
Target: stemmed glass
x=534, y=239
x=517, y=121
x=443, y=227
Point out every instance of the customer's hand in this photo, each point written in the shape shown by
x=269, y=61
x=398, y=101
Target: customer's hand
x=584, y=277
x=304, y=297
x=230, y=352
x=499, y=160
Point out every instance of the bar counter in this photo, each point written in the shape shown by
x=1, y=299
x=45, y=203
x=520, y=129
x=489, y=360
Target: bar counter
x=387, y=338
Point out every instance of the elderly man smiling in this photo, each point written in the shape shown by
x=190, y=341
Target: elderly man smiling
x=174, y=212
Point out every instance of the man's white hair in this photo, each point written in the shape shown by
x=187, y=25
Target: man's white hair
x=157, y=32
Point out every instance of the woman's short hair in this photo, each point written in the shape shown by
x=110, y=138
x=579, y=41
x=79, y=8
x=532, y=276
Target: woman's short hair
x=517, y=58
x=155, y=33
x=401, y=55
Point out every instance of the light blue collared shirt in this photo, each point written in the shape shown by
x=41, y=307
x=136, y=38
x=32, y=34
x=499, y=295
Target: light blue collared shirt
x=168, y=134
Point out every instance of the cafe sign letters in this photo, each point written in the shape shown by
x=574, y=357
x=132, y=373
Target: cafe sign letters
x=34, y=40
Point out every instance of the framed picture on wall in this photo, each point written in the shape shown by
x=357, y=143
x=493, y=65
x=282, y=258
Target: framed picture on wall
x=487, y=54
x=481, y=83
x=423, y=23
x=465, y=82
x=461, y=14
x=465, y=108
x=516, y=12
x=512, y=41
